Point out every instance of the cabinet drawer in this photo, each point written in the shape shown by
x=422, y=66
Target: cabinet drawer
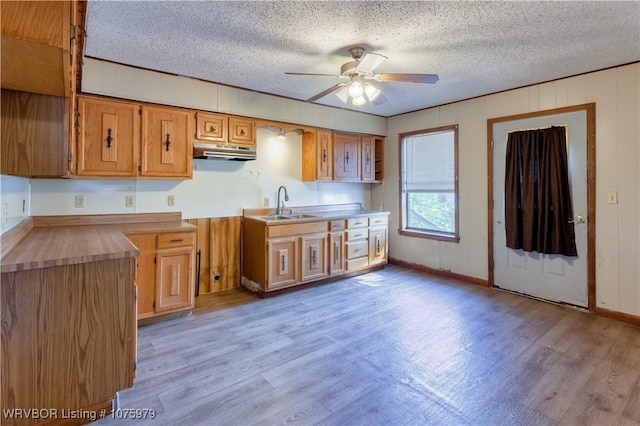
x=296, y=229
x=356, y=222
x=336, y=225
x=354, y=264
x=357, y=249
x=357, y=234
x=178, y=239
x=378, y=220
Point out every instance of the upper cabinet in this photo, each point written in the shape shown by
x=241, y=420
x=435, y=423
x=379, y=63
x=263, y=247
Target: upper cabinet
x=346, y=156
x=35, y=46
x=367, y=149
x=225, y=129
x=317, y=155
x=108, y=137
x=167, y=142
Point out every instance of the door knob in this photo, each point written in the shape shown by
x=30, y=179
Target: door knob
x=578, y=219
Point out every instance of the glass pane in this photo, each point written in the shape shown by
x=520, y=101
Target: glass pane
x=431, y=211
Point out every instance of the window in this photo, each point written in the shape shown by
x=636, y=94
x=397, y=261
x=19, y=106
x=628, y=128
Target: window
x=429, y=183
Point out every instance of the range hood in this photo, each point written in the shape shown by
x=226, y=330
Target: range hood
x=223, y=152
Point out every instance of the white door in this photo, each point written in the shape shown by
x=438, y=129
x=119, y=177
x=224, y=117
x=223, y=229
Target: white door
x=546, y=276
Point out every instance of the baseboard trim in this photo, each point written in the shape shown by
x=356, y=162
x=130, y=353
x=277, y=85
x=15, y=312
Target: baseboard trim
x=439, y=272
x=619, y=316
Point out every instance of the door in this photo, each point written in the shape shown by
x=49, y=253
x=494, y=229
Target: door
x=174, y=274
x=345, y=156
x=336, y=252
x=313, y=256
x=551, y=277
x=367, y=158
x=283, y=262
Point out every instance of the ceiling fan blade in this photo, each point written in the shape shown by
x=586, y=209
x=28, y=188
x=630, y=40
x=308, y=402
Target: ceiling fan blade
x=306, y=73
x=326, y=92
x=369, y=62
x=408, y=78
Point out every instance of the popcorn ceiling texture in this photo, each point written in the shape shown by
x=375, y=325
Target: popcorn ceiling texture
x=476, y=48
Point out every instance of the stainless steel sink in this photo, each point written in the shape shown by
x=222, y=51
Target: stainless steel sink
x=299, y=216
x=274, y=217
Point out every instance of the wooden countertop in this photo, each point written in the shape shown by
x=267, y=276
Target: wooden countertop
x=56, y=242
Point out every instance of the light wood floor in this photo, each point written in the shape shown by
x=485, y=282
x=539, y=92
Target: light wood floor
x=394, y=347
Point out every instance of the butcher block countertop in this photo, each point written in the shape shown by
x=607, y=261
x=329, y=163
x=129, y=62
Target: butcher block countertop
x=45, y=241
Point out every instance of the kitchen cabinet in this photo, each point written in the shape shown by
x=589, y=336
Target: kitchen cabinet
x=317, y=155
x=346, y=156
x=108, y=137
x=357, y=243
x=283, y=262
x=313, y=257
x=336, y=247
x=167, y=142
x=378, y=240
x=34, y=133
x=166, y=272
x=225, y=129
x=367, y=160
x=378, y=155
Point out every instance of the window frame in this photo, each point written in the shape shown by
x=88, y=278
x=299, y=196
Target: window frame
x=402, y=230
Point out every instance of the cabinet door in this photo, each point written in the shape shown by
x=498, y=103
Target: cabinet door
x=283, y=262
x=175, y=278
x=212, y=127
x=145, y=273
x=313, y=256
x=377, y=246
x=336, y=253
x=367, y=158
x=167, y=142
x=108, y=138
x=325, y=151
x=242, y=131
x=346, y=148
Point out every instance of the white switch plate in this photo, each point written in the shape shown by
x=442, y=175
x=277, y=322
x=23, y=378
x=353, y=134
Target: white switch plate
x=612, y=198
x=80, y=202
x=130, y=201
x=5, y=213
x=265, y=202
x=171, y=200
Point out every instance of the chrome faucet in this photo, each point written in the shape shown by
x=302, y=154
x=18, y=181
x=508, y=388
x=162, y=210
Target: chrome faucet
x=286, y=198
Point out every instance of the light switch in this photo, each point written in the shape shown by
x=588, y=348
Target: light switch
x=171, y=200
x=612, y=198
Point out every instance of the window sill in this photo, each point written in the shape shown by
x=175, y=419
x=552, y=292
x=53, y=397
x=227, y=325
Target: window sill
x=429, y=235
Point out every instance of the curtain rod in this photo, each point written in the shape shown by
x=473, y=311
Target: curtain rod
x=566, y=126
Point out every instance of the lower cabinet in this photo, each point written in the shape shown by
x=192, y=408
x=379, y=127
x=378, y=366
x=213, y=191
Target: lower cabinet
x=165, y=272
x=283, y=262
x=336, y=252
x=357, y=244
x=377, y=245
x=313, y=257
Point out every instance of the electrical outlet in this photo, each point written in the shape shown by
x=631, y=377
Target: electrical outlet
x=612, y=198
x=5, y=213
x=171, y=200
x=130, y=201
x=265, y=202
x=80, y=202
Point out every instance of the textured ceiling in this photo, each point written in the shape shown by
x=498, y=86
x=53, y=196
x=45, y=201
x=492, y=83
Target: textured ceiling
x=476, y=48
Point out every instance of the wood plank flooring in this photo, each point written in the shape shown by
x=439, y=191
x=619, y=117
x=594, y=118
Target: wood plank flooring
x=393, y=347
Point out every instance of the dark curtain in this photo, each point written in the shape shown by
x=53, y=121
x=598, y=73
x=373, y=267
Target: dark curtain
x=537, y=193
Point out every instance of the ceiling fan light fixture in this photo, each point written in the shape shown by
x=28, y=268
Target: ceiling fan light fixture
x=371, y=92
x=358, y=101
x=356, y=89
x=343, y=94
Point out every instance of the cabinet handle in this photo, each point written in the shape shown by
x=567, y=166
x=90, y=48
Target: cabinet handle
x=167, y=142
x=177, y=240
x=368, y=159
x=109, y=138
x=378, y=245
x=212, y=129
x=324, y=155
x=284, y=267
x=336, y=252
x=357, y=250
x=314, y=258
x=347, y=157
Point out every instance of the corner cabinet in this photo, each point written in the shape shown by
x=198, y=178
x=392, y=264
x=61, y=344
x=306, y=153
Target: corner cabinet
x=167, y=142
x=108, y=137
x=165, y=272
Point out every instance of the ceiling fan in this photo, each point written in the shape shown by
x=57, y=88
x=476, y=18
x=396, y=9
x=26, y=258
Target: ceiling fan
x=357, y=72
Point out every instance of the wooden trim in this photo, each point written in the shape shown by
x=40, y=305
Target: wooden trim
x=590, y=109
x=13, y=236
x=618, y=316
x=439, y=272
x=429, y=235
x=106, y=219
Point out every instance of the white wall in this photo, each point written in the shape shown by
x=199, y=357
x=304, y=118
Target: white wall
x=219, y=188
x=616, y=93
x=14, y=192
